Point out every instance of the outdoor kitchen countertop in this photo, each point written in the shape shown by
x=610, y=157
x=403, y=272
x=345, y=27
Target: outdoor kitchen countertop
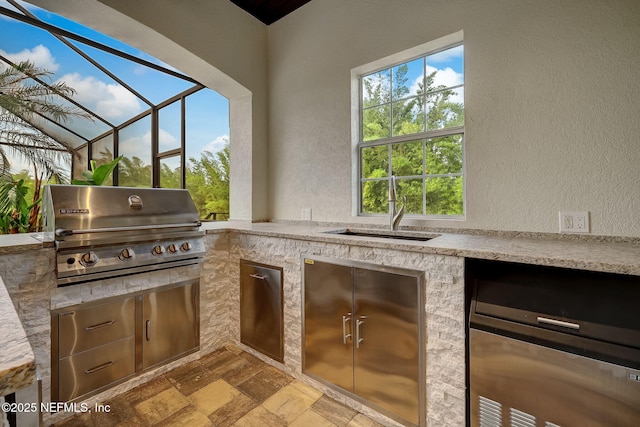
x=17, y=361
x=595, y=253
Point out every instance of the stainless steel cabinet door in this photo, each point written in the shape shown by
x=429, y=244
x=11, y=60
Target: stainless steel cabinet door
x=170, y=323
x=386, y=340
x=328, y=295
x=261, y=323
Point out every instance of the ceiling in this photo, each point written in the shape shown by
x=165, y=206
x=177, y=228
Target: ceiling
x=269, y=11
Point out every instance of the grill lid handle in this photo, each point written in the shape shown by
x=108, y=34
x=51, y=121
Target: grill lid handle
x=135, y=201
x=61, y=232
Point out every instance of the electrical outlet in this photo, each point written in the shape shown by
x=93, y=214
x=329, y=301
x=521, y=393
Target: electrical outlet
x=574, y=222
x=306, y=214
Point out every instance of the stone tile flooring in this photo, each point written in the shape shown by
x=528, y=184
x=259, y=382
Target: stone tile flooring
x=228, y=387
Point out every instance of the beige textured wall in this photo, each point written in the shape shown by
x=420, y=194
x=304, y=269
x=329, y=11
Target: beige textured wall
x=552, y=106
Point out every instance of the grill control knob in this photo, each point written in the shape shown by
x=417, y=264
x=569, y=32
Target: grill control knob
x=126, y=254
x=185, y=247
x=157, y=250
x=89, y=259
x=172, y=248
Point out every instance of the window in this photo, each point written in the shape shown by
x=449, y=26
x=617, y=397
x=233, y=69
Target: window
x=411, y=125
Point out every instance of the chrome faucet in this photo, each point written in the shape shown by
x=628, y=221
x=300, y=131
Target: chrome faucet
x=395, y=216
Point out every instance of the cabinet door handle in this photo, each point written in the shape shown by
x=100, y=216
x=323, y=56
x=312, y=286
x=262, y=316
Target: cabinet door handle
x=359, y=322
x=98, y=368
x=257, y=276
x=100, y=325
x=345, y=335
x=147, y=333
x=556, y=322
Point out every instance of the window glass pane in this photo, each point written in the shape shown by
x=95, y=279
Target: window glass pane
x=84, y=124
x=134, y=170
x=408, y=79
x=442, y=109
x=444, y=195
x=375, y=161
x=376, y=123
x=80, y=163
x=406, y=158
x=102, y=150
x=102, y=153
x=206, y=123
x=445, y=77
x=448, y=66
x=376, y=88
x=170, y=127
x=207, y=153
x=170, y=172
x=56, y=132
x=408, y=117
x=375, y=196
x=412, y=189
x=444, y=155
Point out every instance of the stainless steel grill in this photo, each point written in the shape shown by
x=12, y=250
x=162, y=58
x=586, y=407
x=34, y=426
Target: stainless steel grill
x=111, y=231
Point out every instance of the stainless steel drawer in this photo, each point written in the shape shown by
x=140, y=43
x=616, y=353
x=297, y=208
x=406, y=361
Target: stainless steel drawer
x=90, y=327
x=88, y=371
x=261, y=309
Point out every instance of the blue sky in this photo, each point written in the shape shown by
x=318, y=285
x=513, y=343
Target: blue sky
x=447, y=64
x=209, y=124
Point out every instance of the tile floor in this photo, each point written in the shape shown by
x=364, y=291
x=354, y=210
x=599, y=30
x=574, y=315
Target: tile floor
x=228, y=387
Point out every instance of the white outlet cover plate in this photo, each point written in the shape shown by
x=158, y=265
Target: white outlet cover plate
x=574, y=222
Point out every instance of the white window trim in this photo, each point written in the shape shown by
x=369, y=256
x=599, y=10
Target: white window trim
x=396, y=58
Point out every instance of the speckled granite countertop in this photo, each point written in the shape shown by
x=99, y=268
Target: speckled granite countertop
x=586, y=253
x=17, y=361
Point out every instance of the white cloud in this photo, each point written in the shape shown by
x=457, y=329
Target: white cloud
x=445, y=77
x=217, y=144
x=167, y=141
x=40, y=56
x=111, y=101
x=137, y=146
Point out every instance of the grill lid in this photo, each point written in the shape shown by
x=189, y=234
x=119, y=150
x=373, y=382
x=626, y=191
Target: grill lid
x=76, y=215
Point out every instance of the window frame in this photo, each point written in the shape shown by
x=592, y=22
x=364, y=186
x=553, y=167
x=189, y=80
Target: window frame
x=358, y=143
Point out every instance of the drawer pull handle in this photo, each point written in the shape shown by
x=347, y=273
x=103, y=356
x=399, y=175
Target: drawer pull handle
x=98, y=368
x=555, y=322
x=259, y=277
x=147, y=332
x=100, y=325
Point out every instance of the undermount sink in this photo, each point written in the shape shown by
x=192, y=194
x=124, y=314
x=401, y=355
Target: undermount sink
x=386, y=234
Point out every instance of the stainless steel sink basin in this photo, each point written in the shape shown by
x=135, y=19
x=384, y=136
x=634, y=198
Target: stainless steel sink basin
x=386, y=234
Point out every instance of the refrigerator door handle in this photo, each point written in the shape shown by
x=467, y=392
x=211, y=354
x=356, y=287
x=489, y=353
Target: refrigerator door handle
x=359, y=322
x=345, y=335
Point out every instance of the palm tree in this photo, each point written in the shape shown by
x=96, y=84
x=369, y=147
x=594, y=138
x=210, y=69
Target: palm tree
x=27, y=95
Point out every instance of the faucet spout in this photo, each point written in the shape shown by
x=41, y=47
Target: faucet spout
x=395, y=216
x=395, y=221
